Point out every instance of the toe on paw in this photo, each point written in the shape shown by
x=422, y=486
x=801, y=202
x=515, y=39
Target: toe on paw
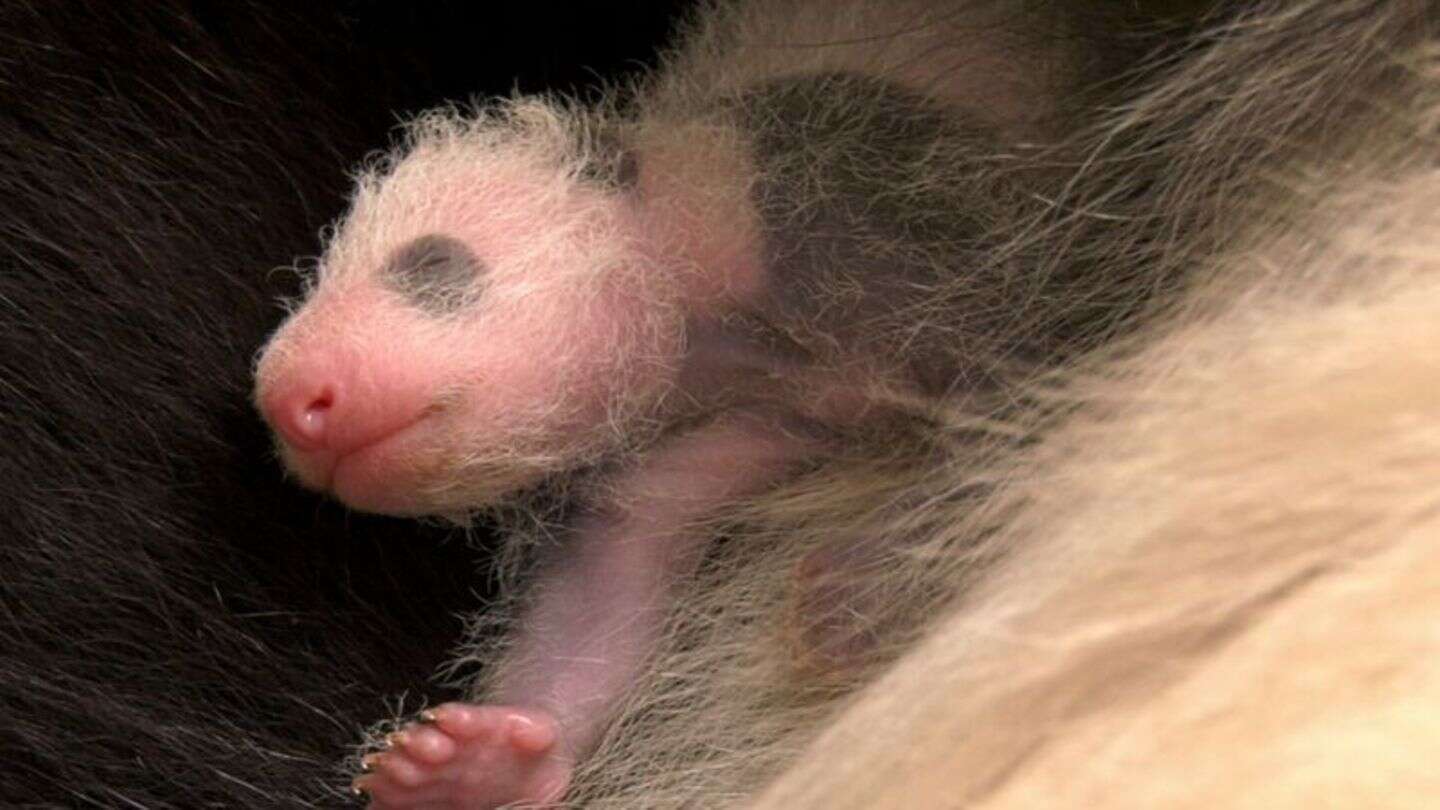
x=529, y=734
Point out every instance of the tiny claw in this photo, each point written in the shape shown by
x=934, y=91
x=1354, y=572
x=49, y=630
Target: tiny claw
x=358, y=791
x=428, y=716
x=394, y=739
x=366, y=766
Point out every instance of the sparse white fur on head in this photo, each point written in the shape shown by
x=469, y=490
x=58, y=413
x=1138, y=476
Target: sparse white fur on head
x=571, y=322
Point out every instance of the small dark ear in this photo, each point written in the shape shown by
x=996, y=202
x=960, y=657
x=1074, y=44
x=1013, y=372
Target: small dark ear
x=627, y=173
x=612, y=164
x=433, y=272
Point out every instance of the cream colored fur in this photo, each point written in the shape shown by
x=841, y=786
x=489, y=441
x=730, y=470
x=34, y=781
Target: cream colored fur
x=1212, y=581
x=1225, y=585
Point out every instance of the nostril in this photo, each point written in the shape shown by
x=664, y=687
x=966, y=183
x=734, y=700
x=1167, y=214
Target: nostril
x=302, y=417
x=311, y=420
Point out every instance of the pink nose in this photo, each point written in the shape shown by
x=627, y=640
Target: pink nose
x=301, y=413
x=333, y=407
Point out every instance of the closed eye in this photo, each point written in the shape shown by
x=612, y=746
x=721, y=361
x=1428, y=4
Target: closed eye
x=435, y=273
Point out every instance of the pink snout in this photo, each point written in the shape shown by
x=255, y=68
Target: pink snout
x=339, y=416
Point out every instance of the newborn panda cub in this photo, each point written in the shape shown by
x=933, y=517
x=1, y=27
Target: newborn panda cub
x=664, y=313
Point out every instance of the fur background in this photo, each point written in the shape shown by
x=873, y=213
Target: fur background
x=1216, y=584
x=181, y=627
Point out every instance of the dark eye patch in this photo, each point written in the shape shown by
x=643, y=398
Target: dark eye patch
x=434, y=272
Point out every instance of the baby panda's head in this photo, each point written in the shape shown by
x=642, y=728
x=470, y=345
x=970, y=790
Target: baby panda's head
x=483, y=316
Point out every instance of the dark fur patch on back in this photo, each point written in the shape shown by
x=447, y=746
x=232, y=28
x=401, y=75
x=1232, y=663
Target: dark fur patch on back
x=856, y=191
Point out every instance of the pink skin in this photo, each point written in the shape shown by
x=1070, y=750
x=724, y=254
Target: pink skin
x=596, y=617
x=367, y=409
x=833, y=603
